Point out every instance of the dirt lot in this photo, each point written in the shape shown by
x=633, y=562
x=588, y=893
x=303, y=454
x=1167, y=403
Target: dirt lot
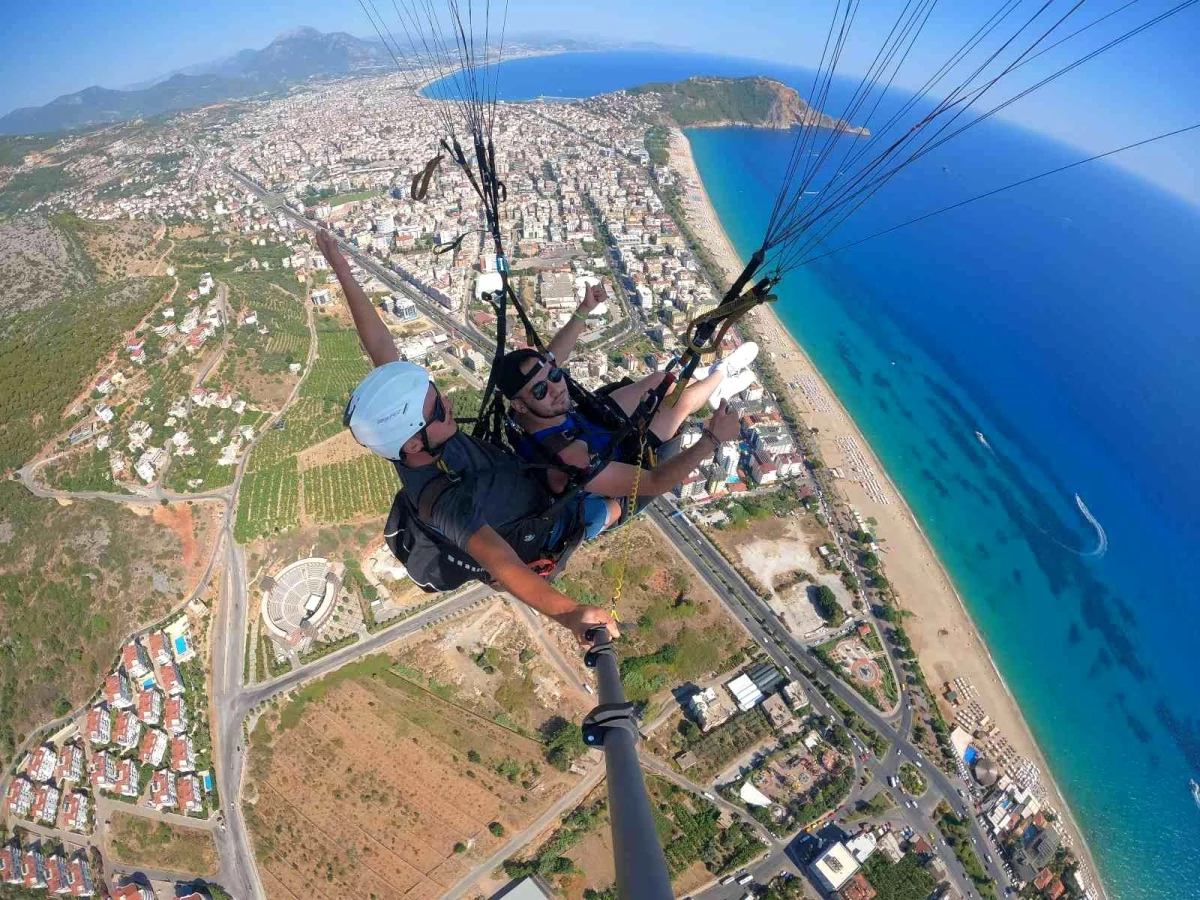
x=663, y=599
x=524, y=684
x=137, y=841
x=773, y=551
x=339, y=448
x=335, y=810
x=195, y=526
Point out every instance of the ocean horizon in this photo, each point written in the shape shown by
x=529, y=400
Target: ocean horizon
x=1058, y=321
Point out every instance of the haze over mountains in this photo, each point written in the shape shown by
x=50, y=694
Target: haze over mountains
x=293, y=56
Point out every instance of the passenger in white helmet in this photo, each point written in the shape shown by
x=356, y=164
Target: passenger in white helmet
x=398, y=413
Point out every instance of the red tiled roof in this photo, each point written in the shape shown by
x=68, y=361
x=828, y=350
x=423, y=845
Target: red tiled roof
x=1056, y=889
x=1043, y=879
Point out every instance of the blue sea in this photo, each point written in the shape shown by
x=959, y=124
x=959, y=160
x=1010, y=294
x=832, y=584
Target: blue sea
x=1061, y=320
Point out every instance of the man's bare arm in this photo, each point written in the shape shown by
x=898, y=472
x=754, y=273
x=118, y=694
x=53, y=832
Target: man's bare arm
x=616, y=479
x=568, y=336
x=375, y=337
x=494, y=554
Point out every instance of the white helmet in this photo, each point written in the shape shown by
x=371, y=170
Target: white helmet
x=388, y=407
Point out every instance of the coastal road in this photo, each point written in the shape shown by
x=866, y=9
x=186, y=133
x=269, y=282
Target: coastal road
x=785, y=651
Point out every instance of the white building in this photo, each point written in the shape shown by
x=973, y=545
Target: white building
x=834, y=866
x=745, y=692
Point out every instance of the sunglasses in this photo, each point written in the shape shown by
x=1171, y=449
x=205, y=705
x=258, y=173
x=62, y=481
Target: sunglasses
x=437, y=415
x=555, y=375
x=439, y=408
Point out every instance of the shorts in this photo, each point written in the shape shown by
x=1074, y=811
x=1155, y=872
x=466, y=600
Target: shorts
x=593, y=518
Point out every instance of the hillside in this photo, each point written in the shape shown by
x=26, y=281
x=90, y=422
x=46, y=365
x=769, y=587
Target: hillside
x=758, y=101
x=293, y=56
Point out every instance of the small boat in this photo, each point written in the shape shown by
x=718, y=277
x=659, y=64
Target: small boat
x=1195, y=790
x=983, y=440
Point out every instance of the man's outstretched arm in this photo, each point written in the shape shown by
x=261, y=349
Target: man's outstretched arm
x=568, y=336
x=375, y=337
x=494, y=554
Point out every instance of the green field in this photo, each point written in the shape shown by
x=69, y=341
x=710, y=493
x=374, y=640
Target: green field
x=342, y=491
x=85, y=470
x=306, y=422
x=269, y=501
x=270, y=496
x=340, y=365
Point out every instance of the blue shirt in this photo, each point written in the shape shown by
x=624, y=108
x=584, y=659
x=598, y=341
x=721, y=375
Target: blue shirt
x=574, y=427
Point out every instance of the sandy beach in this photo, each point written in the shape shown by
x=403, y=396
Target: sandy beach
x=941, y=629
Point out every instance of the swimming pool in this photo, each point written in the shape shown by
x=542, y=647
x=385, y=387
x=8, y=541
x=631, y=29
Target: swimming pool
x=207, y=781
x=181, y=645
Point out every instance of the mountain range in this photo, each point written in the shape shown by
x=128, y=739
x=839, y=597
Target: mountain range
x=293, y=56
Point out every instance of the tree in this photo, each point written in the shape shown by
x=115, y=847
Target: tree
x=826, y=602
x=564, y=744
x=460, y=847
x=473, y=756
x=689, y=729
x=496, y=828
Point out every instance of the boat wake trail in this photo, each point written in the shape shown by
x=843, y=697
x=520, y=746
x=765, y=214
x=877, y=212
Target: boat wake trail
x=1101, y=537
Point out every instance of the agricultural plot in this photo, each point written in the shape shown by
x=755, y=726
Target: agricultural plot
x=339, y=366
x=308, y=421
x=343, y=491
x=259, y=363
x=334, y=804
x=269, y=501
x=270, y=496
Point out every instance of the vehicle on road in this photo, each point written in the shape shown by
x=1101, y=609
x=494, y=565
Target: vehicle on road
x=707, y=796
x=920, y=765
x=745, y=878
x=728, y=879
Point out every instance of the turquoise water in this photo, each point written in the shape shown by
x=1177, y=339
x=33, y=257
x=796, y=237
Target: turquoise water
x=1060, y=320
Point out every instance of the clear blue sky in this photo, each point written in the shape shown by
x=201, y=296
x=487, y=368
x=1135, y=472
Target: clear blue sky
x=1147, y=86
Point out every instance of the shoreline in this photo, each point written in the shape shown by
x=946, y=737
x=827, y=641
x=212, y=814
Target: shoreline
x=941, y=620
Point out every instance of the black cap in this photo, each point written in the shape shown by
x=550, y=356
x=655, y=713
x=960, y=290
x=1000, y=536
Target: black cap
x=509, y=377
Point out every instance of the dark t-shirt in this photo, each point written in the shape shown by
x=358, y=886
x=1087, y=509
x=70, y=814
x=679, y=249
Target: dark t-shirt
x=503, y=493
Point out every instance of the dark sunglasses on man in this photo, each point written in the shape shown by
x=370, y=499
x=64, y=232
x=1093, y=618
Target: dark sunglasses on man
x=437, y=415
x=555, y=375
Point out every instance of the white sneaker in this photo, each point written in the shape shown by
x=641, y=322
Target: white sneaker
x=736, y=361
x=733, y=384
x=740, y=358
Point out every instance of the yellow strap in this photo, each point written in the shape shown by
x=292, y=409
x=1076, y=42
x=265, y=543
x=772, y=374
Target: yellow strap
x=728, y=316
x=633, y=495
